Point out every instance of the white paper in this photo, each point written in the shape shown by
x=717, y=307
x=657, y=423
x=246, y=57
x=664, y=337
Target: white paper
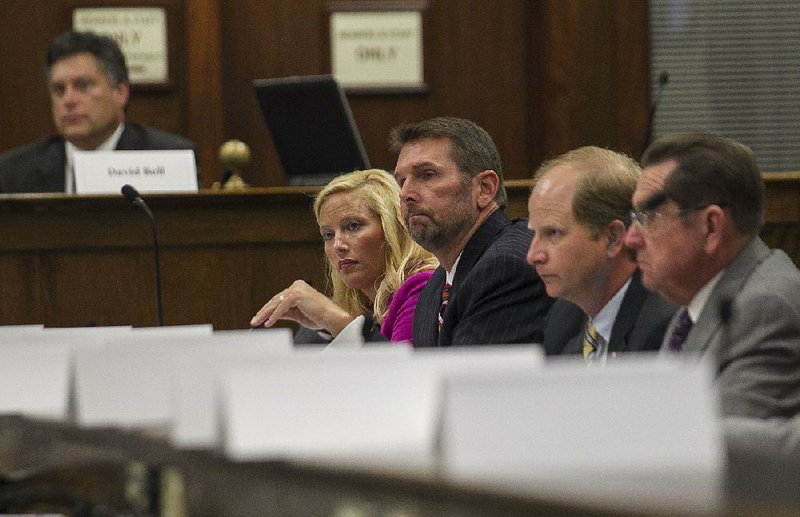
x=368, y=407
x=127, y=381
x=35, y=366
x=19, y=329
x=195, y=385
x=34, y=379
x=637, y=434
x=105, y=172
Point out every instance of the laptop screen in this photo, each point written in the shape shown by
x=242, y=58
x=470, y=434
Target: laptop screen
x=312, y=127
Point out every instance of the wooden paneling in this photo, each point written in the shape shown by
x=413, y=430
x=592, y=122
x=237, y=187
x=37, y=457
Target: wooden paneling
x=542, y=76
x=67, y=261
x=30, y=25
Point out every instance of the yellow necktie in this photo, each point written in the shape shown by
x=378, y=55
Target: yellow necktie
x=590, y=340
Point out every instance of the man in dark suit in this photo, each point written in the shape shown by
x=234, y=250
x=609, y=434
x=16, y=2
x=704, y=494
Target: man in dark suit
x=452, y=195
x=579, y=212
x=698, y=210
x=89, y=91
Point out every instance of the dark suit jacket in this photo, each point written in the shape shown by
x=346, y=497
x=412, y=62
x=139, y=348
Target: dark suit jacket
x=496, y=298
x=757, y=353
x=39, y=167
x=640, y=324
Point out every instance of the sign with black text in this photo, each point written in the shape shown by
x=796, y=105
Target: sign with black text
x=105, y=172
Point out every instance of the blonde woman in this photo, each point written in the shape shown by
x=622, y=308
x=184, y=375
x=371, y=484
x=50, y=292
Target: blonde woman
x=374, y=266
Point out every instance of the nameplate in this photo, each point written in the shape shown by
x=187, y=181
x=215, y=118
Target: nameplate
x=195, y=384
x=643, y=435
x=349, y=407
x=373, y=407
x=35, y=366
x=105, y=172
x=126, y=380
x=34, y=378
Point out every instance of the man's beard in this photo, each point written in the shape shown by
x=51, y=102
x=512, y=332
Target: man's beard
x=438, y=234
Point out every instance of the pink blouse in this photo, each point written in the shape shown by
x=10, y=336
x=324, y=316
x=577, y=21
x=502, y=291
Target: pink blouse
x=398, y=325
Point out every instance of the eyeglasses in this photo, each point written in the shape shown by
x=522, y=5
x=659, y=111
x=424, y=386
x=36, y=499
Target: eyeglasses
x=647, y=217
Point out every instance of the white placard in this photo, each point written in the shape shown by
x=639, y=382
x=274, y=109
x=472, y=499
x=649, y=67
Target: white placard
x=381, y=49
x=195, y=385
x=359, y=408
x=34, y=378
x=105, y=172
x=641, y=435
x=35, y=366
x=126, y=381
x=141, y=33
x=12, y=330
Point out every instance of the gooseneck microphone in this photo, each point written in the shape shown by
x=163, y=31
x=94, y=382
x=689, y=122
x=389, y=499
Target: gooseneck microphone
x=663, y=79
x=132, y=195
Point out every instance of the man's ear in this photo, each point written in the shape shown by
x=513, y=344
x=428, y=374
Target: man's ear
x=488, y=183
x=714, y=223
x=615, y=233
x=123, y=91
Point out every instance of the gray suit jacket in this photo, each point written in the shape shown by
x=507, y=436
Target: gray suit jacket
x=639, y=326
x=757, y=354
x=496, y=298
x=39, y=167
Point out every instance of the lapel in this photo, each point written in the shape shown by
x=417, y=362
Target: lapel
x=730, y=284
x=483, y=237
x=48, y=171
x=128, y=140
x=575, y=343
x=628, y=314
x=426, y=315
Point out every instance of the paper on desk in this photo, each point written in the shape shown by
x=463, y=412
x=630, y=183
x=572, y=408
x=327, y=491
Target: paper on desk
x=35, y=366
x=195, y=386
x=128, y=381
x=34, y=378
x=6, y=330
x=637, y=434
x=357, y=407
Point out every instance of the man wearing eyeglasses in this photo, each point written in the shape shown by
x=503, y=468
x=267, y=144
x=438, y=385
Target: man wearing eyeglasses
x=579, y=212
x=698, y=208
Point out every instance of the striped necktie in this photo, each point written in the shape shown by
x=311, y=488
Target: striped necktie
x=683, y=324
x=445, y=297
x=591, y=341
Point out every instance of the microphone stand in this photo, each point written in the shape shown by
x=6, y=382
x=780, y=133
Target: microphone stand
x=132, y=195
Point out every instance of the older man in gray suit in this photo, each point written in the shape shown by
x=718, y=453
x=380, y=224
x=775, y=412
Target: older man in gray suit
x=698, y=208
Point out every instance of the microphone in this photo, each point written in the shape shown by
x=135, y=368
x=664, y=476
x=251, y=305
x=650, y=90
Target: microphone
x=132, y=195
x=663, y=79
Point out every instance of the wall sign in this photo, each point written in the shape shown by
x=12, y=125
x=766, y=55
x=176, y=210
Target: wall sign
x=377, y=48
x=141, y=33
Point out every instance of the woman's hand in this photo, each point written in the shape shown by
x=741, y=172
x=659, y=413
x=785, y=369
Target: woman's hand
x=305, y=305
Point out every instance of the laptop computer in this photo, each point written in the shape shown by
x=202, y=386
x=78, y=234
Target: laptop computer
x=312, y=127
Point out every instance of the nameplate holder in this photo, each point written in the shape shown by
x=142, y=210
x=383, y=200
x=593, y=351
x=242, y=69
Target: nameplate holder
x=641, y=434
x=125, y=382
x=105, y=172
x=35, y=366
x=351, y=408
x=195, y=386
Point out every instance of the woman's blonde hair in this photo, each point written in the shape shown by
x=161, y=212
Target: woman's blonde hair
x=403, y=257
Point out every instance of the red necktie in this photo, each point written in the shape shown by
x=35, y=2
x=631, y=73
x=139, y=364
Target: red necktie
x=445, y=296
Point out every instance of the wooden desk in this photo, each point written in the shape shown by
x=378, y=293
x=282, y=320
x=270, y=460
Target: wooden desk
x=69, y=260
x=94, y=464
